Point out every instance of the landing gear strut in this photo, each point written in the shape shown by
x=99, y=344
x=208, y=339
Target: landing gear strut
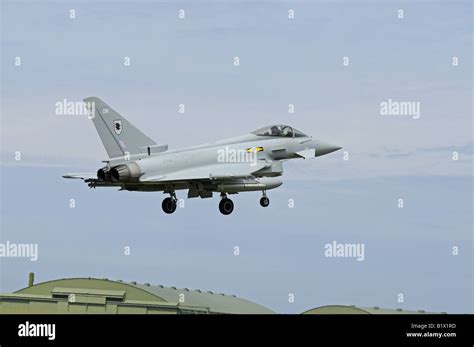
x=264, y=201
x=226, y=206
x=169, y=204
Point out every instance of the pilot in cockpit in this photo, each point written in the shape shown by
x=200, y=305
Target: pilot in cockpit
x=287, y=132
x=275, y=131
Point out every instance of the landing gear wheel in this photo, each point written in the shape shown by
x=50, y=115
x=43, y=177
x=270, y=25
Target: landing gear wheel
x=264, y=201
x=168, y=205
x=226, y=206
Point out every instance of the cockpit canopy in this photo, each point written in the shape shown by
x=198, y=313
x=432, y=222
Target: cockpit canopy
x=279, y=131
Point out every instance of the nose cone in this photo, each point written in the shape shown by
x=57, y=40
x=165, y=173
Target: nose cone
x=323, y=148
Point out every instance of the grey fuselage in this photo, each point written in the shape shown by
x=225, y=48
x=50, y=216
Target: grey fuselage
x=272, y=150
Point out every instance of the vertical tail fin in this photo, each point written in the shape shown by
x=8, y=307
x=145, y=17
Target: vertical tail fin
x=118, y=135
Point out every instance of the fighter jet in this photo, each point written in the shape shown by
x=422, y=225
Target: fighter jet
x=249, y=162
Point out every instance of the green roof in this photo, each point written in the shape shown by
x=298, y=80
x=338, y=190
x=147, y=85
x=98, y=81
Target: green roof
x=131, y=291
x=214, y=301
x=352, y=309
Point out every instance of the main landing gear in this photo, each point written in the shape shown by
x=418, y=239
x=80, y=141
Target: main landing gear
x=264, y=201
x=169, y=204
x=226, y=206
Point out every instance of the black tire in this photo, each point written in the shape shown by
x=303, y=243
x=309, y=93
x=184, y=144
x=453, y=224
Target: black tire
x=168, y=205
x=264, y=201
x=226, y=206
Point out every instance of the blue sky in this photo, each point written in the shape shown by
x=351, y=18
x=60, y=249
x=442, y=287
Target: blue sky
x=283, y=61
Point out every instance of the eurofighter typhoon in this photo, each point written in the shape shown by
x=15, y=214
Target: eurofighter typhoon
x=246, y=163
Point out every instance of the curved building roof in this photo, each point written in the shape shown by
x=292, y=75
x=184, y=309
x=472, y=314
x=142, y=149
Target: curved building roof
x=216, y=302
x=131, y=291
x=342, y=309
